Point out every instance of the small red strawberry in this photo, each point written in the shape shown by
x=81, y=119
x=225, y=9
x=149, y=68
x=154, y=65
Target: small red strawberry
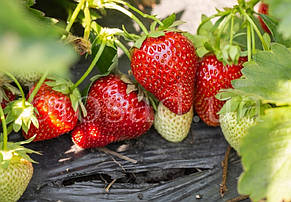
x=55, y=114
x=114, y=114
x=264, y=9
x=166, y=67
x=212, y=76
x=8, y=92
x=9, y=97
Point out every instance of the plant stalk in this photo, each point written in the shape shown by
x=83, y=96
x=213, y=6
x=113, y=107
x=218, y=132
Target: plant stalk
x=18, y=85
x=231, y=30
x=123, y=48
x=4, y=127
x=253, y=41
x=141, y=13
x=92, y=65
x=87, y=21
x=249, y=42
x=37, y=87
x=265, y=46
x=128, y=13
x=74, y=15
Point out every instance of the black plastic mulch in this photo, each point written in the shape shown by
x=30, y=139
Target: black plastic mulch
x=187, y=171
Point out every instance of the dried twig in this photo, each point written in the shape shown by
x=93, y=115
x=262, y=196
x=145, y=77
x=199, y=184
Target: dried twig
x=119, y=164
x=111, y=183
x=224, y=163
x=239, y=198
x=108, y=151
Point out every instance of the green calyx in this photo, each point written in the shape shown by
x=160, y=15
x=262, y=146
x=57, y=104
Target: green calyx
x=242, y=104
x=20, y=114
x=15, y=150
x=169, y=24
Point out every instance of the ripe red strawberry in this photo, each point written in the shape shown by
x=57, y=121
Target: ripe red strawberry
x=55, y=114
x=10, y=97
x=113, y=114
x=212, y=76
x=166, y=67
x=263, y=9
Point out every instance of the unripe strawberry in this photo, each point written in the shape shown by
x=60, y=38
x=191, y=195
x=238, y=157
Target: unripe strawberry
x=27, y=78
x=171, y=126
x=234, y=129
x=15, y=178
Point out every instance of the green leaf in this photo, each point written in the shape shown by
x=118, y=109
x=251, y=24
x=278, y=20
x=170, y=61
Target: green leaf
x=268, y=77
x=266, y=157
x=29, y=44
x=138, y=43
x=270, y=22
x=156, y=34
x=168, y=21
x=281, y=10
x=29, y=3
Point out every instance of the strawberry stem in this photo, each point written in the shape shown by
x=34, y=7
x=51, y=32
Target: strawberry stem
x=141, y=13
x=123, y=48
x=253, y=40
x=231, y=30
x=220, y=14
x=18, y=85
x=4, y=127
x=37, y=87
x=92, y=65
x=222, y=26
x=128, y=13
x=252, y=3
x=74, y=15
x=265, y=46
x=249, y=42
x=87, y=21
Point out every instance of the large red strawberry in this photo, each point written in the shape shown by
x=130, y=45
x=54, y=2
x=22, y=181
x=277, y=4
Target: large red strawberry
x=166, y=67
x=264, y=9
x=113, y=114
x=212, y=76
x=55, y=114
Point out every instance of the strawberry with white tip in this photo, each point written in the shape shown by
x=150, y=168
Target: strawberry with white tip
x=171, y=126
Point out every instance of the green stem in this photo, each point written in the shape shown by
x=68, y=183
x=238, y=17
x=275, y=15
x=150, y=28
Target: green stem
x=129, y=14
x=4, y=126
x=211, y=17
x=221, y=28
x=265, y=46
x=253, y=40
x=249, y=42
x=87, y=21
x=92, y=65
x=9, y=129
x=252, y=3
x=18, y=85
x=37, y=87
x=74, y=15
x=231, y=30
x=123, y=48
x=141, y=13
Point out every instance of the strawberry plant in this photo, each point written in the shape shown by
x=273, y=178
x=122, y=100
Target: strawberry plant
x=230, y=72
